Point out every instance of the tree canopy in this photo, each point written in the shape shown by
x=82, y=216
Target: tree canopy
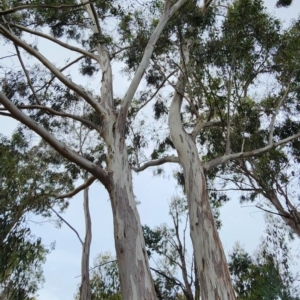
x=223, y=82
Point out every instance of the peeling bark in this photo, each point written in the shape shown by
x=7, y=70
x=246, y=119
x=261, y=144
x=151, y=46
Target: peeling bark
x=135, y=277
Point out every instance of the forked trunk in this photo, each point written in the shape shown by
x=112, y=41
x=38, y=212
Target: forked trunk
x=135, y=277
x=212, y=269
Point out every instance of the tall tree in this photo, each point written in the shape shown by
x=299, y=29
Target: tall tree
x=217, y=66
x=30, y=179
x=38, y=103
x=216, y=111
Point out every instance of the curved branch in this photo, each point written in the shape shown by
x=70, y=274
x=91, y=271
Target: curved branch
x=220, y=160
x=157, y=162
x=167, y=14
x=74, y=87
x=61, y=148
x=54, y=40
x=86, y=184
x=22, y=7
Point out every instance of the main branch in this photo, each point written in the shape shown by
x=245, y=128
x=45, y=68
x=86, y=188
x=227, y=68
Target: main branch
x=61, y=148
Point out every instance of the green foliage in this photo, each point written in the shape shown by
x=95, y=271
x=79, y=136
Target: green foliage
x=29, y=180
x=266, y=275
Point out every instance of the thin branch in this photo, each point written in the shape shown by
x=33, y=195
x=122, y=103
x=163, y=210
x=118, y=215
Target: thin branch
x=27, y=76
x=95, y=17
x=86, y=184
x=6, y=114
x=220, y=160
x=7, y=56
x=98, y=266
x=156, y=92
x=62, y=69
x=271, y=212
x=76, y=88
x=202, y=124
x=54, y=40
x=68, y=224
x=61, y=148
x=33, y=6
x=58, y=113
x=173, y=279
x=157, y=162
x=272, y=124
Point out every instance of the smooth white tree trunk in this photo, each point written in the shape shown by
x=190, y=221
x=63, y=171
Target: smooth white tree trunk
x=135, y=277
x=214, y=277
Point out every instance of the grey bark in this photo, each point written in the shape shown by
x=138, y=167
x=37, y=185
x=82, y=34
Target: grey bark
x=85, y=288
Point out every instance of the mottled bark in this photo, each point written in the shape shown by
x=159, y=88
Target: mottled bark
x=135, y=277
x=210, y=259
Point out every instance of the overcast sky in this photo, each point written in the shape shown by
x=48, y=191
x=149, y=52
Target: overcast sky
x=244, y=224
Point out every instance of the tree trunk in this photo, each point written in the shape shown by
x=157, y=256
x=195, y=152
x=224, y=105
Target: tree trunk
x=135, y=277
x=214, y=277
x=85, y=289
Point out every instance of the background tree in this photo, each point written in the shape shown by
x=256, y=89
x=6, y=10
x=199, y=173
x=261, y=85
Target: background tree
x=29, y=182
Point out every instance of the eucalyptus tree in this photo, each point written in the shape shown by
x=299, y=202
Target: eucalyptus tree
x=39, y=97
x=236, y=93
x=30, y=180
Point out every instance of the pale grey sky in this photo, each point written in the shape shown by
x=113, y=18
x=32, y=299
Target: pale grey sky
x=63, y=264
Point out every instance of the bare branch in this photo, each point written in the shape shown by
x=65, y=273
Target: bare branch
x=167, y=14
x=41, y=6
x=7, y=56
x=220, y=160
x=27, y=76
x=6, y=114
x=64, y=68
x=156, y=92
x=65, y=151
x=101, y=265
x=86, y=184
x=76, y=88
x=157, y=162
x=68, y=224
x=58, y=113
x=54, y=40
x=202, y=124
x=173, y=279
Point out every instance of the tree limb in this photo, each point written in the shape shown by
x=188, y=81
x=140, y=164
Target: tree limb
x=157, y=162
x=58, y=113
x=220, y=160
x=54, y=40
x=27, y=76
x=61, y=148
x=68, y=224
x=74, y=87
x=41, y=6
x=167, y=14
x=86, y=184
x=272, y=124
